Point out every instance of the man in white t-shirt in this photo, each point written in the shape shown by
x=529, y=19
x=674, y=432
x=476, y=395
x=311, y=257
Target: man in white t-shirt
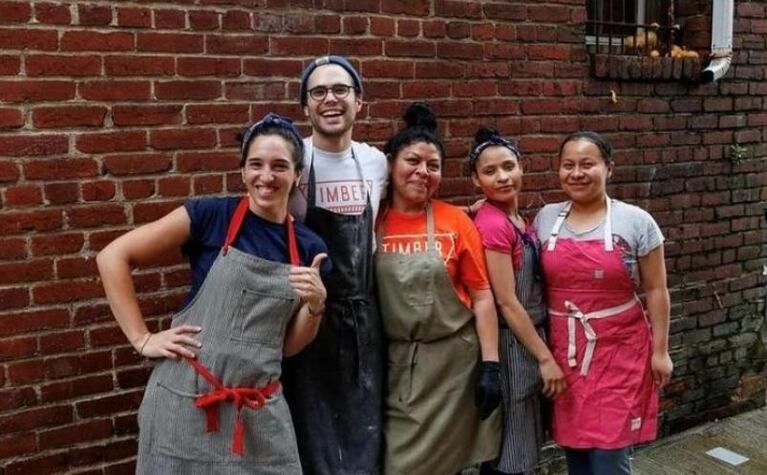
x=334, y=387
x=339, y=186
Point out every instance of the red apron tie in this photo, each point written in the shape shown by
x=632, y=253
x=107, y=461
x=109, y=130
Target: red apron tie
x=254, y=398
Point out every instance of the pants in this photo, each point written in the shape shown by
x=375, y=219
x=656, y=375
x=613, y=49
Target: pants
x=598, y=461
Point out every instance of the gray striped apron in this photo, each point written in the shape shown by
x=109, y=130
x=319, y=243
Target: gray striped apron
x=243, y=307
x=431, y=425
x=523, y=432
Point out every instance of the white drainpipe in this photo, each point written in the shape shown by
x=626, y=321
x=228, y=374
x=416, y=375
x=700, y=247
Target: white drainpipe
x=721, y=40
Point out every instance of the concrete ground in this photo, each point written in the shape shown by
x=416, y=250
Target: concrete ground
x=685, y=453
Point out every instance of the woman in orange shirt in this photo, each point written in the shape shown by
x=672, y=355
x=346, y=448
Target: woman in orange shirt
x=439, y=317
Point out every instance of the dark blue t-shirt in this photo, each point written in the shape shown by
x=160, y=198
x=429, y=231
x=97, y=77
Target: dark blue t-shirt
x=210, y=219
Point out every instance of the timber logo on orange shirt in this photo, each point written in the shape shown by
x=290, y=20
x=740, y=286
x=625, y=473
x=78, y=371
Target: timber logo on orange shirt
x=341, y=196
x=408, y=244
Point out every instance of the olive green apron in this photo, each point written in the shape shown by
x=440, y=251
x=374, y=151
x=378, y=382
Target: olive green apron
x=431, y=425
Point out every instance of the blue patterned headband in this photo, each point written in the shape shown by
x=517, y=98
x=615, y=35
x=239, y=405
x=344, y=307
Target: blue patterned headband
x=494, y=139
x=270, y=121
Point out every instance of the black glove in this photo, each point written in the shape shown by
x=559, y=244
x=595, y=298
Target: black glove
x=487, y=393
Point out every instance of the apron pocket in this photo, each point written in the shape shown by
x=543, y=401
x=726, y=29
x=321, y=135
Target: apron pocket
x=262, y=318
x=417, y=295
x=180, y=431
x=401, y=365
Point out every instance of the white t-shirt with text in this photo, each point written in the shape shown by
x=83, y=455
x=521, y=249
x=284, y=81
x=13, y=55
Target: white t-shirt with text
x=339, y=186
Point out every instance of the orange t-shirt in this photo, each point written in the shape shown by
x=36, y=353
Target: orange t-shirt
x=457, y=241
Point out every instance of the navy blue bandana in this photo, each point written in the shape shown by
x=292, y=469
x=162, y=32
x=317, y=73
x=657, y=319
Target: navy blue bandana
x=271, y=121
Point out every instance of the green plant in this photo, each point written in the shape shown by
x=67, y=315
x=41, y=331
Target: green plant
x=737, y=153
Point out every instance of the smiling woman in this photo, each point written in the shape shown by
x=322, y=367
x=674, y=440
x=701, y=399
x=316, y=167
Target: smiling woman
x=596, y=253
x=269, y=174
x=443, y=383
x=256, y=295
x=511, y=250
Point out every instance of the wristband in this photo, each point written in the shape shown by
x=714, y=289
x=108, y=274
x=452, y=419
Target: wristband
x=146, y=340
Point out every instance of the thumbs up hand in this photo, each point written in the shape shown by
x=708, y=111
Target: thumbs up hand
x=306, y=282
x=317, y=262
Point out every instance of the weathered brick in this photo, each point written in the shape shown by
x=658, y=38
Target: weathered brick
x=169, y=42
x=15, y=12
x=23, y=91
x=10, y=118
x=132, y=17
x=103, y=142
x=167, y=19
x=206, y=114
x=70, y=116
x=236, y=20
x=204, y=20
x=208, y=66
x=52, y=14
x=194, y=90
x=33, y=145
x=174, y=139
x=417, y=48
x=133, y=164
x=147, y=115
x=115, y=91
x=94, y=15
x=24, y=195
x=86, y=40
x=251, y=45
x=139, y=65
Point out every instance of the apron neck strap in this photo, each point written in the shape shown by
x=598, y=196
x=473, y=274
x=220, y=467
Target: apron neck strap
x=608, y=233
x=608, y=227
x=236, y=223
x=430, y=241
x=558, y=225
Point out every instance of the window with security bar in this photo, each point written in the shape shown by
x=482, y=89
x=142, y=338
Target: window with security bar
x=633, y=27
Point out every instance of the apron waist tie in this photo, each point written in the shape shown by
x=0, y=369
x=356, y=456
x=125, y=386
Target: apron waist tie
x=574, y=313
x=254, y=398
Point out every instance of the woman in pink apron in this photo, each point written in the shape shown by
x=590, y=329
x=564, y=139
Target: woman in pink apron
x=528, y=369
x=443, y=384
x=596, y=252
x=214, y=403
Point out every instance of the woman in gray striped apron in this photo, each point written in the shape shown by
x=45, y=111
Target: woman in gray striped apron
x=511, y=249
x=213, y=403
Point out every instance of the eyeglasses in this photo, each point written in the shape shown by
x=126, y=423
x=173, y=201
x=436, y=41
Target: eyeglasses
x=340, y=91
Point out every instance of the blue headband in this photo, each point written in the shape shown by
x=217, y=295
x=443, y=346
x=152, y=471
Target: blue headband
x=494, y=139
x=272, y=120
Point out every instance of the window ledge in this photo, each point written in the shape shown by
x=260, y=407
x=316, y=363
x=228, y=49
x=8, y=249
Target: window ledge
x=644, y=68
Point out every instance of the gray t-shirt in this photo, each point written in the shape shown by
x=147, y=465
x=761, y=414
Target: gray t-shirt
x=635, y=232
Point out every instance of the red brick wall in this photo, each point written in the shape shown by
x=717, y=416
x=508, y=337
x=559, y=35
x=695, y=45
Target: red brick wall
x=111, y=114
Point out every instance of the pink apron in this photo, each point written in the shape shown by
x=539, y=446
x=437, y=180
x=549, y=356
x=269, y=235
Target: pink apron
x=601, y=338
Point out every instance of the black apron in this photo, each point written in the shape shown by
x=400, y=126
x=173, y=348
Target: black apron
x=334, y=386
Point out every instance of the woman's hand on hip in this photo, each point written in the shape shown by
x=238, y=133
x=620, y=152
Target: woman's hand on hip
x=307, y=283
x=553, y=378
x=662, y=367
x=171, y=343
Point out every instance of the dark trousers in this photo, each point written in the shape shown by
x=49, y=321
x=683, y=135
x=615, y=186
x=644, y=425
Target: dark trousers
x=598, y=461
